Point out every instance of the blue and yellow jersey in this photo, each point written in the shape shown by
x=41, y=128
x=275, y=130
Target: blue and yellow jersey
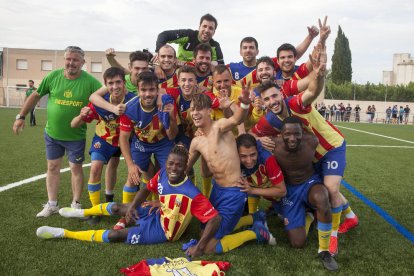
x=206, y=81
x=107, y=126
x=146, y=125
x=241, y=73
x=266, y=172
x=183, y=107
x=328, y=135
x=179, y=202
x=170, y=82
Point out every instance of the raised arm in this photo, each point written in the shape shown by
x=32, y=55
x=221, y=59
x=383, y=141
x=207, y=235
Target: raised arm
x=325, y=30
x=317, y=84
x=172, y=36
x=110, y=56
x=304, y=45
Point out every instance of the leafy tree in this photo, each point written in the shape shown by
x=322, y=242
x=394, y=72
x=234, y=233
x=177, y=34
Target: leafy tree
x=341, y=59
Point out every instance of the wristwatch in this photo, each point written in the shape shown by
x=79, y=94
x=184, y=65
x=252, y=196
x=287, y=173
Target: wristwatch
x=20, y=117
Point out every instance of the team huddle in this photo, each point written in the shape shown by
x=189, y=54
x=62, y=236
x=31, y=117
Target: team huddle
x=251, y=125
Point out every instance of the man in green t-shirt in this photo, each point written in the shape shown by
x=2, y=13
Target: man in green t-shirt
x=68, y=89
x=29, y=91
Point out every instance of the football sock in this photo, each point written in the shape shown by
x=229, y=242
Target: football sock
x=109, y=197
x=347, y=211
x=230, y=242
x=324, y=234
x=52, y=203
x=308, y=222
x=252, y=202
x=94, y=190
x=129, y=193
x=244, y=221
x=89, y=235
x=336, y=219
x=206, y=186
x=103, y=209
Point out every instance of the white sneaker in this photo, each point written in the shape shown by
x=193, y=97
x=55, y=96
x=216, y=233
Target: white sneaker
x=48, y=210
x=68, y=212
x=46, y=232
x=76, y=205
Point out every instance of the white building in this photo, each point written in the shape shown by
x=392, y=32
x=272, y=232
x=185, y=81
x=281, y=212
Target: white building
x=402, y=70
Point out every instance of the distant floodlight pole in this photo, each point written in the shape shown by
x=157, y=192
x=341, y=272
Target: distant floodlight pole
x=386, y=92
x=354, y=90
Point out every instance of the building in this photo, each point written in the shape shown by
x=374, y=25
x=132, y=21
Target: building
x=17, y=66
x=402, y=71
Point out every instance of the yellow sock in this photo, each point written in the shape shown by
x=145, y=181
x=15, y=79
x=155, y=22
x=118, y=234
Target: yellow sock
x=99, y=210
x=324, y=234
x=89, y=235
x=308, y=221
x=336, y=219
x=94, y=190
x=244, y=221
x=347, y=211
x=252, y=203
x=206, y=183
x=129, y=193
x=233, y=241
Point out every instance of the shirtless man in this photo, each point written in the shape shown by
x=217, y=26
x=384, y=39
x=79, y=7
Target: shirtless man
x=217, y=146
x=295, y=151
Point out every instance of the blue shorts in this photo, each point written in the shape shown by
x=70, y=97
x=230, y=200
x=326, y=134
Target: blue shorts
x=141, y=152
x=333, y=162
x=293, y=205
x=55, y=149
x=147, y=229
x=102, y=150
x=229, y=202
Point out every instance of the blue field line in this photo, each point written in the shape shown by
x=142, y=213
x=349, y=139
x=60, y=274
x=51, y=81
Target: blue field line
x=407, y=234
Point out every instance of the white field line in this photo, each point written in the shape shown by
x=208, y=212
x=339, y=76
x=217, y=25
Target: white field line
x=376, y=134
x=380, y=146
x=35, y=178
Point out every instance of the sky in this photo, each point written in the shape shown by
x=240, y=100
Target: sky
x=375, y=29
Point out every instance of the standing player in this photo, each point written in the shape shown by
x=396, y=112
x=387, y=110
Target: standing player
x=166, y=69
x=68, y=89
x=188, y=39
x=105, y=148
x=180, y=200
x=295, y=150
x=330, y=152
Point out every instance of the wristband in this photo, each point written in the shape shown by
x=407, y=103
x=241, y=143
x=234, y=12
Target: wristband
x=244, y=106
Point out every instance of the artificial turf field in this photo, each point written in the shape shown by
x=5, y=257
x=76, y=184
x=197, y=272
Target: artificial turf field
x=384, y=175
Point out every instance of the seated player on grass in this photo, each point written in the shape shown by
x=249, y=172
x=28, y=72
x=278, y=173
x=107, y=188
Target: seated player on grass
x=105, y=148
x=179, y=199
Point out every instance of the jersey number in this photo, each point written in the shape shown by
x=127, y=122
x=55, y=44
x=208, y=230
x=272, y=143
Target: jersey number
x=332, y=165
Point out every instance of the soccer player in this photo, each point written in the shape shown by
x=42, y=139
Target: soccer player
x=295, y=151
x=188, y=39
x=330, y=152
x=245, y=71
x=179, y=199
x=138, y=62
x=68, y=89
x=217, y=146
x=29, y=91
x=105, y=148
x=261, y=170
x=166, y=69
x=153, y=132
x=202, y=62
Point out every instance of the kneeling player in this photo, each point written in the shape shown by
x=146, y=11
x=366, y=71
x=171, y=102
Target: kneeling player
x=179, y=199
x=295, y=151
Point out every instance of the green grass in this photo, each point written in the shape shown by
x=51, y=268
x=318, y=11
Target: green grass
x=384, y=175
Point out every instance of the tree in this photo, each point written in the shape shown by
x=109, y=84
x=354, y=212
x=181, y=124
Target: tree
x=341, y=59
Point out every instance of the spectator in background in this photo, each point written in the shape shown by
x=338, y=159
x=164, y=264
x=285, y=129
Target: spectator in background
x=322, y=109
x=328, y=112
x=406, y=114
x=342, y=111
x=29, y=91
x=369, y=114
x=357, y=112
x=348, y=111
x=333, y=112
x=373, y=109
x=387, y=115
x=394, y=114
x=401, y=115
x=338, y=113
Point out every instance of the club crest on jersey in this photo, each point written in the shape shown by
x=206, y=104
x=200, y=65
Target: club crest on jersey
x=177, y=202
x=97, y=145
x=67, y=94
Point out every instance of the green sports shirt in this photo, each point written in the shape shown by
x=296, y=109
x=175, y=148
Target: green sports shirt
x=66, y=99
